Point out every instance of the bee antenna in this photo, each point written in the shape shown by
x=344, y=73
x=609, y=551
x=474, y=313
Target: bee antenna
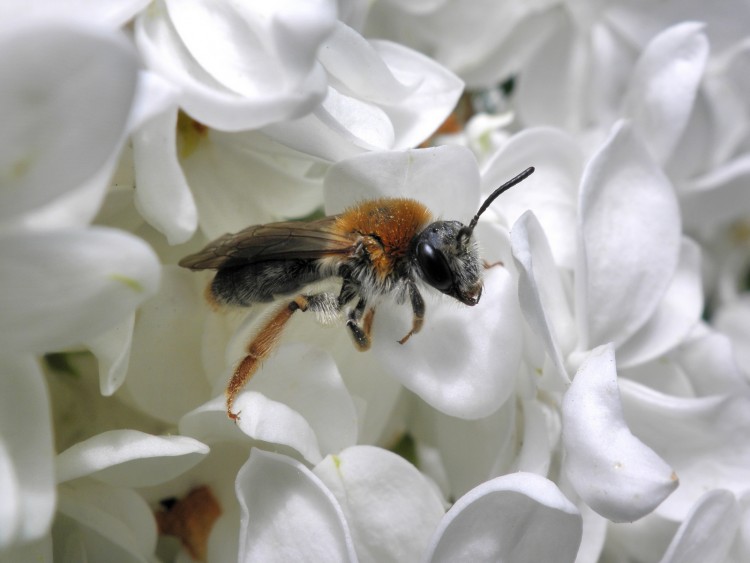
x=466, y=231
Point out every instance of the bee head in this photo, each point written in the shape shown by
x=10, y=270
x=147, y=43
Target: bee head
x=448, y=260
x=447, y=255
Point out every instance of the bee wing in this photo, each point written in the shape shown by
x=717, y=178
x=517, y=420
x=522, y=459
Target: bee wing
x=275, y=241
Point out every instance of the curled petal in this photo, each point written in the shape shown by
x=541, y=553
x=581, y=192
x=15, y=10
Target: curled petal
x=64, y=116
x=391, y=508
x=288, y=514
x=540, y=291
x=85, y=281
x=238, y=67
x=130, y=458
x=516, y=517
x=707, y=532
x=629, y=240
x=663, y=421
x=664, y=86
x=613, y=471
x=162, y=195
x=112, y=351
x=26, y=450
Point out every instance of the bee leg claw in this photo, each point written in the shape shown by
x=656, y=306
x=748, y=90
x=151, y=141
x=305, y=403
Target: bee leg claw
x=488, y=265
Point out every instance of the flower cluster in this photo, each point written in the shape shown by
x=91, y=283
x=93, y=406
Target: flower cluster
x=593, y=406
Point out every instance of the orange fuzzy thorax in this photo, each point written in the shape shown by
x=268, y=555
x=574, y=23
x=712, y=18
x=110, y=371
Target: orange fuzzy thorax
x=387, y=228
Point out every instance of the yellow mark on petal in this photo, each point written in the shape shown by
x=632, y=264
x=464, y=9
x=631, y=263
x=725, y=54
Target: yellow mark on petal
x=336, y=461
x=674, y=476
x=190, y=133
x=20, y=167
x=132, y=283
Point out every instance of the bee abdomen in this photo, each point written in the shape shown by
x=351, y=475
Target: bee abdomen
x=262, y=282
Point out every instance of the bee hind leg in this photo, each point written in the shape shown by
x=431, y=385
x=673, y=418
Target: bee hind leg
x=418, y=309
x=260, y=348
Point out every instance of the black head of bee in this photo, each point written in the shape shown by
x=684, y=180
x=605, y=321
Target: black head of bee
x=447, y=256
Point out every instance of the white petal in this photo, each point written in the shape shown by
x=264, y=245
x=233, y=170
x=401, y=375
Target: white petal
x=696, y=436
x=112, y=13
x=162, y=194
x=69, y=285
x=734, y=320
x=288, y=514
x=445, y=179
x=664, y=85
x=166, y=377
x=391, y=508
x=129, y=458
x=273, y=422
x=629, y=240
x=708, y=359
x=208, y=100
x=708, y=531
x=112, y=351
x=429, y=103
x=551, y=192
x=111, y=519
x=516, y=517
x=64, y=116
x=306, y=380
x=675, y=316
x=447, y=363
x=614, y=472
x=26, y=450
x=282, y=184
x=541, y=293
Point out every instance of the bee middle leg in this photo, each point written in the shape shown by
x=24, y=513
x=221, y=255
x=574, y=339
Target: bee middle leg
x=418, y=308
x=360, y=324
x=261, y=347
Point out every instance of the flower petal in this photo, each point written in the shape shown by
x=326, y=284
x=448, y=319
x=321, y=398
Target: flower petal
x=614, y=472
x=306, y=380
x=166, y=350
x=391, y=507
x=162, y=195
x=734, y=320
x=551, y=192
x=84, y=282
x=707, y=532
x=541, y=293
x=677, y=313
x=516, y=517
x=445, y=179
x=129, y=458
x=663, y=421
x=664, y=86
x=112, y=520
x=112, y=351
x=26, y=449
x=465, y=360
x=64, y=116
x=629, y=240
x=288, y=514
x=177, y=49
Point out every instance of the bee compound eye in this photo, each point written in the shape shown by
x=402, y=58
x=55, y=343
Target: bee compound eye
x=434, y=266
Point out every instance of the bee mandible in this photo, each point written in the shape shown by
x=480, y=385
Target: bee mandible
x=378, y=247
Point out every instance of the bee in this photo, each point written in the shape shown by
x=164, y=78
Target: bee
x=378, y=247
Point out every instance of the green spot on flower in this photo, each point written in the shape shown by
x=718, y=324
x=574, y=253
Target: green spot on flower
x=132, y=283
x=336, y=461
x=190, y=133
x=406, y=447
x=60, y=362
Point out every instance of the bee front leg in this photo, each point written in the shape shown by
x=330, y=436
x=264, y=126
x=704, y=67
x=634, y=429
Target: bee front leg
x=260, y=348
x=418, y=308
